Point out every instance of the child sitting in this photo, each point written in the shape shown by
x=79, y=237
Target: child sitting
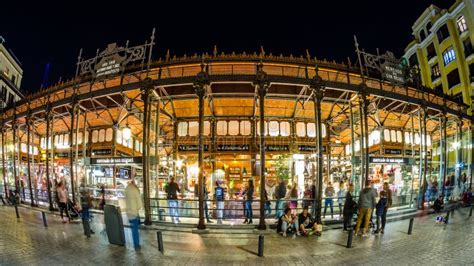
x=379, y=209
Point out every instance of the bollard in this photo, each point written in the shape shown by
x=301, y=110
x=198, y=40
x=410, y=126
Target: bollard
x=260, y=245
x=17, y=213
x=410, y=227
x=159, y=237
x=447, y=217
x=349, y=238
x=45, y=222
x=470, y=212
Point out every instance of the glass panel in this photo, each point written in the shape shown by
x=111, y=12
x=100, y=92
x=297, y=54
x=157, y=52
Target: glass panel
x=109, y=134
x=407, y=138
x=182, y=129
x=66, y=140
x=311, y=130
x=399, y=136
x=285, y=129
x=357, y=145
x=95, y=136
x=137, y=145
x=386, y=135
x=301, y=129
x=86, y=138
x=323, y=130
x=207, y=128
x=274, y=128
x=417, y=138
x=233, y=128
x=258, y=128
x=102, y=135
x=118, y=137
x=23, y=147
x=221, y=128
x=245, y=128
x=393, y=135
x=428, y=140
x=193, y=128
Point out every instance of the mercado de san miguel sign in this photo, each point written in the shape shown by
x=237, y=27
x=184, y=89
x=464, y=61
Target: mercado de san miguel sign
x=113, y=59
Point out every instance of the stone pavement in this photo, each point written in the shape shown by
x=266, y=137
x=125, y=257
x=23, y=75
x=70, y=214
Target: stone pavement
x=27, y=242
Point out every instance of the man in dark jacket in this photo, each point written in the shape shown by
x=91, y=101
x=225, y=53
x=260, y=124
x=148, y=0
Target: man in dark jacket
x=280, y=193
x=350, y=207
x=172, y=190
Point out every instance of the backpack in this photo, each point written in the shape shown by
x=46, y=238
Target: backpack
x=219, y=193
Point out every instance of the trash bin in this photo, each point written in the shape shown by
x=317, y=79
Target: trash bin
x=161, y=215
x=114, y=225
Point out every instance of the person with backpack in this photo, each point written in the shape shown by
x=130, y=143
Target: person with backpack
x=380, y=209
x=350, y=207
x=219, y=197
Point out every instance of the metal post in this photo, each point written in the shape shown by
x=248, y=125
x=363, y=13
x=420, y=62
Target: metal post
x=328, y=169
x=413, y=157
x=472, y=155
x=317, y=87
x=16, y=209
x=45, y=222
x=470, y=212
x=349, y=238
x=425, y=158
x=410, y=226
x=148, y=86
x=365, y=136
x=4, y=173
x=15, y=145
x=444, y=150
x=159, y=237
x=261, y=83
x=261, y=242
x=71, y=150
x=28, y=156
x=351, y=123
x=48, y=128
x=458, y=168
x=200, y=85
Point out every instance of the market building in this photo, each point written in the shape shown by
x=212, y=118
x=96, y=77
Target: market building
x=230, y=118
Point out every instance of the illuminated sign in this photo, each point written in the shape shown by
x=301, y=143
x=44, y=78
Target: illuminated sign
x=116, y=160
x=389, y=160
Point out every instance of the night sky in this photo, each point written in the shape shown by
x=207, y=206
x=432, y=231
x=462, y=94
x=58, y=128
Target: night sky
x=54, y=33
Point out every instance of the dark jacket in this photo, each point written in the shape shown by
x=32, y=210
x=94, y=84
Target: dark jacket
x=381, y=205
x=350, y=205
x=171, y=190
x=249, y=194
x=280, y=191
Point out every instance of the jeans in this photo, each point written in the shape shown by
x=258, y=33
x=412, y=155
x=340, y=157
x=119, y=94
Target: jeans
x=328, y=202
x=340, y=208
x=285, y=225
x=135, y=235
x=279, y=208
x=206, y=210
x=220, y=211
x=384, y=218
x=364, y=215
x=248, y=209
x=63, y=208
x=173, y=208
x=85, y=215
x=268, y=208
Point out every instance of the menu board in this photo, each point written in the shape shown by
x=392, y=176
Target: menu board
x=234, y=173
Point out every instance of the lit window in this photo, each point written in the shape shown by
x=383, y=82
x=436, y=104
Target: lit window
x=393, y=135
x=207, y=128
x=265, y=125
x=118, y=137
x=417, y=139
x=348, y=149
x=311, y=130
x=233, y=128
x=323, y=130
x=182, y=129
x=462, y=26
x=285, y=129
x=386, y=135
x=274, y=128
x=300, y=129
x=449, y=55
x=357, y=146
x=245, y=128
x=86, y=137
x=193, y=128
x=221, y=128
x=95, y=136
x=108, y=134
x=102, y=135
x=435, y=73
x=399, y=136
x=407, y=138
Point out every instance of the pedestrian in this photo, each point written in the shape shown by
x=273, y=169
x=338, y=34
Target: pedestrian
x=350, y=207
x=172, y=190
x=388, y=194
x=219, y=196
x=294, y=197
x=86, y=204
x=206, y=198
x=380, y=209
x=438, y=205
x=328, y=201
x=248, y=202
x=341, y=193
x=307, y=196
x=280, y=196
x=268, y=206
x=62, y=201
x=366, y=205
x=133, y=204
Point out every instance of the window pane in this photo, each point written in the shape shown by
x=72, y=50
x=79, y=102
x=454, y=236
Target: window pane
x=79, y=138
x=407, y=138
x=245, y=128
x=393, y=136
x=417, y=138
x=221, y=128
x=102, y=135
x=118, y=137
x=109, y=134
x=193, y=128
x=258, y=128
x=207, y=128
x=301, y=129
x=274, y=128
x=399, y=136
x=285, y=129
x=311, y=130
x=182, y=129
x=386, y=135
x=95, y=136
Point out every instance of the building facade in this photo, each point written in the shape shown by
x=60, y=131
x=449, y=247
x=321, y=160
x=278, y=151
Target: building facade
x=11, y=75
x=443, y=49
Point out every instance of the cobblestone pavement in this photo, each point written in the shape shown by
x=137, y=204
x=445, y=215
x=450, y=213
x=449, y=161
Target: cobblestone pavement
x=26, y=242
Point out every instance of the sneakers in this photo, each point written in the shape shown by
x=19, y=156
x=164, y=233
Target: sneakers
x=365, y=235
x=284, y=234
x=381, y=231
